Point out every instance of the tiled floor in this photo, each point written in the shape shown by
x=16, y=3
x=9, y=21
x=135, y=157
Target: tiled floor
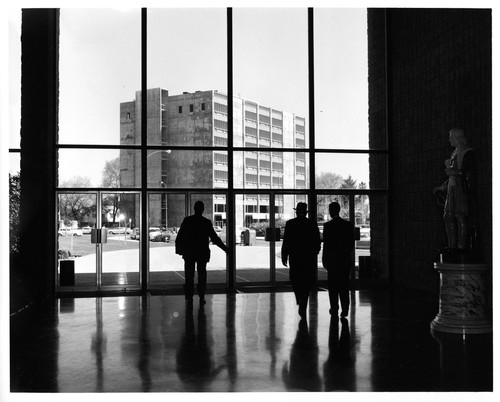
x=244, y=342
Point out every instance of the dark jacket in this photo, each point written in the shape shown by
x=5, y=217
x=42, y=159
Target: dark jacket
x=301, y=239
x=194, y=237
x=338, y=243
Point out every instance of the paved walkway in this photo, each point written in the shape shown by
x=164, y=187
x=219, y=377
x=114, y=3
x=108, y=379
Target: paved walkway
x=164, y=259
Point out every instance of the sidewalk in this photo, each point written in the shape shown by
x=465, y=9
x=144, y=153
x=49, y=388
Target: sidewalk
x=164, y=259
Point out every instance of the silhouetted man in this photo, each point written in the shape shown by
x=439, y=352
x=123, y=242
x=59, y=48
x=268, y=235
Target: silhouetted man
x=338, y=244
x=192, y=243
x=301, y=244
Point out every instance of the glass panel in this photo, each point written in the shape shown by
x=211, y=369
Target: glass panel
x=120, y=255
x=276, y=170
x=186, y=67
x=110, y=168
x=346, y=171
x=14, y=163
x=14, y=77
x=341, y=78
x=76, y=217
x=99, y=68
x=215, y=207
x=284, y=211
x=166, y=212
x=323, y=201
x=270, y=77
x=363, y=244
x=252, y=251
x=187, y=169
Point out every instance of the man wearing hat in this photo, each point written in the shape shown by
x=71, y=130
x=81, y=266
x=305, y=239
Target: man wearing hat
x=301, y=245
x=338, y=246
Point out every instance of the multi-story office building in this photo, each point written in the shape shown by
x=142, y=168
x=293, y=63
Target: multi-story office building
x=200, y=119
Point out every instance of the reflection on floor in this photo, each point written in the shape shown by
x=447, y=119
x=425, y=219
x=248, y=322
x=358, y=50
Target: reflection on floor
x=243, y=342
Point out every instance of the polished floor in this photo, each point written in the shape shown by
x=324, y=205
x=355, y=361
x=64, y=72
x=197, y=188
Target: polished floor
x=243, y=342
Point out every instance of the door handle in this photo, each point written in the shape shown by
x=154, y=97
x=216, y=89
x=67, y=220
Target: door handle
x=99, y=236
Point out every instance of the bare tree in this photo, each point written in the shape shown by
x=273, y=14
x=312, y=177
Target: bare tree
x=327, y=181
x=111, y=179
x=78, y=206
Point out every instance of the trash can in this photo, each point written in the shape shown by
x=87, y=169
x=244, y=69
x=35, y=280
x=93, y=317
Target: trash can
x=67, y=273
x=252, y=237
x=248, y=237
x=365, y=267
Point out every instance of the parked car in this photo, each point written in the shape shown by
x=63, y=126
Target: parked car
x=70, y=232
x=159, y=234
x=86, y=230
x=135, y=235
x=119, y=230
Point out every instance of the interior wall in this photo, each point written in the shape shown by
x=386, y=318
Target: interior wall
x=429, y=71
x=32, y=277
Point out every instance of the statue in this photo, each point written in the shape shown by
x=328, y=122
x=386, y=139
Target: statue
x=459, y=196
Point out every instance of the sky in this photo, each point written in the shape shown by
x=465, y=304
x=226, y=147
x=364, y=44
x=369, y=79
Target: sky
x=100, y=67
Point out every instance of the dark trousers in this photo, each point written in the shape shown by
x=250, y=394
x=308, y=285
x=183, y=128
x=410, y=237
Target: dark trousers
x=338, y=288
x=190, y=265
x=302, y=278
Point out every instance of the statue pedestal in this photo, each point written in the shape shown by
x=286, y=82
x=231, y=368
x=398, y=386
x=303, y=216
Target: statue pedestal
x=462, y=299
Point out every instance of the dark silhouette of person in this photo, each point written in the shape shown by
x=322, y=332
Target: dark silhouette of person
x=338, y=245
x=192, y=243
x=338, y=370
x=301, y=245
x=301, y=373
x=195, y=365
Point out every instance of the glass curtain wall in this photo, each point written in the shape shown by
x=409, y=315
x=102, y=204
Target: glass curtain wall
x=98, y=202
x=190, y=142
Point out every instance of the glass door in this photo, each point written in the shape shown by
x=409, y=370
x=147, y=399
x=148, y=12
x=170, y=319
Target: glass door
x=166, y=211
x=76, y=254
x=253, y=257
x=96, y=245
x=215, y=210
x=119, y=249
x=165, y=214
x=260, y=222
x=284, y=211
x=347, y=212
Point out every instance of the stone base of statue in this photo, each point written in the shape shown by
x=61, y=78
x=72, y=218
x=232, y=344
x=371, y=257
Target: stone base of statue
x=463, y=300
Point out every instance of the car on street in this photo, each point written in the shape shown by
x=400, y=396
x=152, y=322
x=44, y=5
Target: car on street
x=86, y=230
x=159, y=235
x=119, y=230
x=70, y=232
x=135, y=235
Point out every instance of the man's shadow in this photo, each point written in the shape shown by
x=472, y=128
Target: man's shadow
x=301, y=373
x=338, y=370
x=195, y=365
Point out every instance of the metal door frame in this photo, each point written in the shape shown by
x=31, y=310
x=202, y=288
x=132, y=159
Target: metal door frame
x=98, y=246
